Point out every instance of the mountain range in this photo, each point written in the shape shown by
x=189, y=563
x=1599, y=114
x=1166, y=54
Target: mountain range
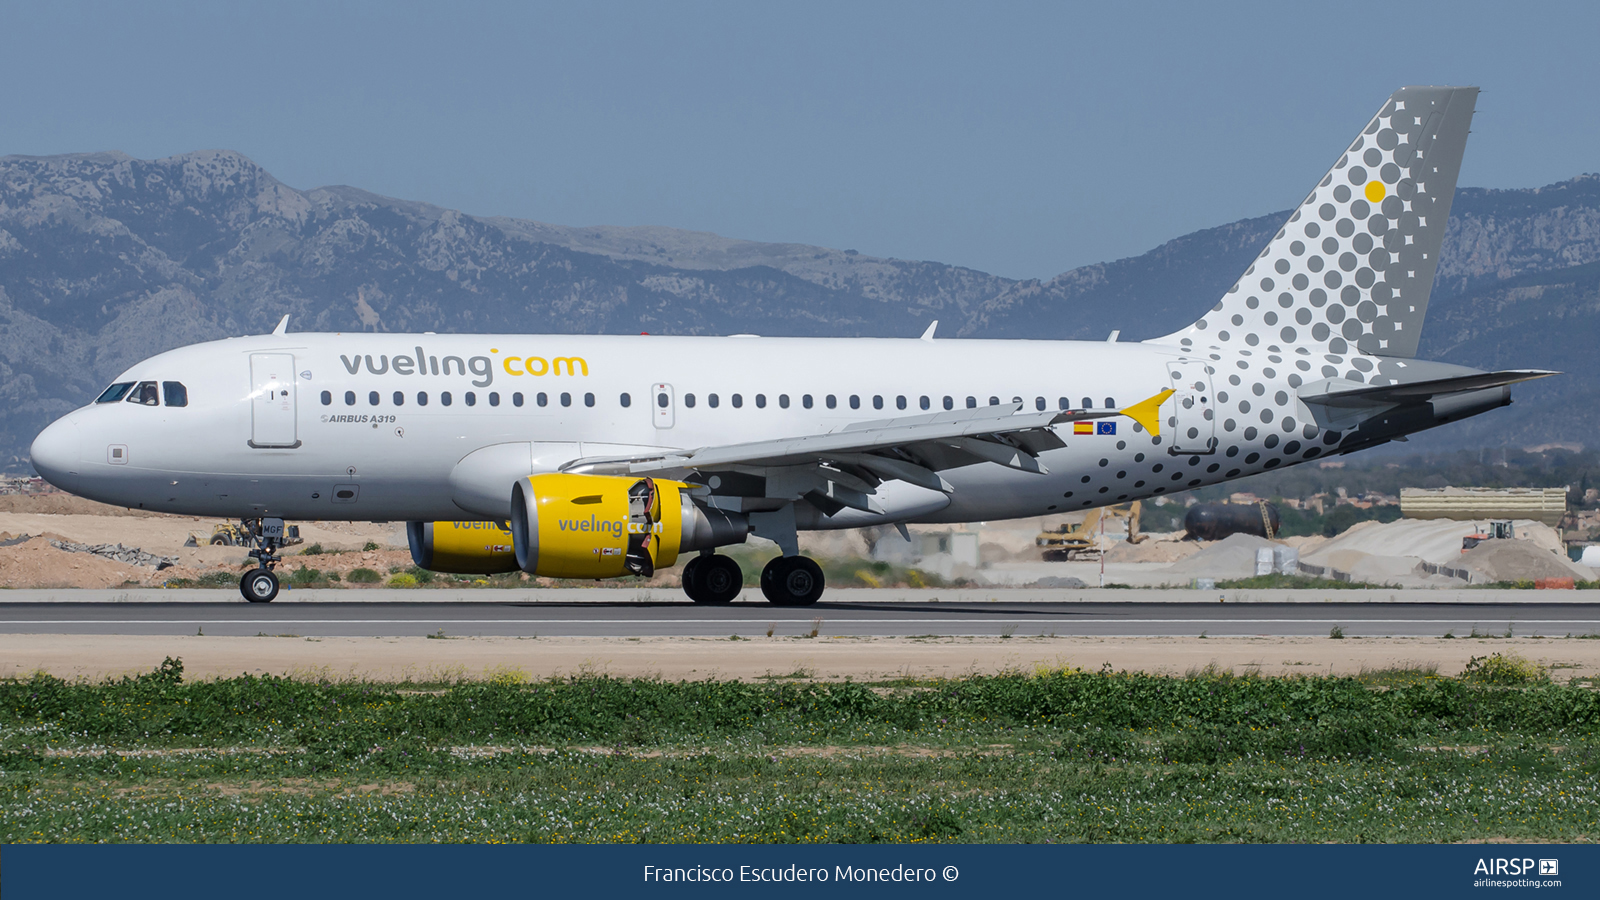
x=106, y=259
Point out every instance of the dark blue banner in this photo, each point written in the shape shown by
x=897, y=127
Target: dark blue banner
x=276, y=872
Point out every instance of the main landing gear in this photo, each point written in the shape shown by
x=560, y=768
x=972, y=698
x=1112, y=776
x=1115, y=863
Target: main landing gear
x=712, y=579
x=786, y=581
x=792, y=581
x=266, y=537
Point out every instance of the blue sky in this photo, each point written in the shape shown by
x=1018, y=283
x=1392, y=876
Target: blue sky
x=1019, y=139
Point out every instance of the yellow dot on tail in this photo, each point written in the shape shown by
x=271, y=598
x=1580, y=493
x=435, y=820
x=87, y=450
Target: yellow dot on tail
x=1375, y=191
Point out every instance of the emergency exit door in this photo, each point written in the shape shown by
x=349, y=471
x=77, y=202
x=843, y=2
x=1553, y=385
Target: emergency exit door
x=272, y=413
x=663, y=402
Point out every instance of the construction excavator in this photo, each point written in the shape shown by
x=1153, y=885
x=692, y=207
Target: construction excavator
x=1082, y=541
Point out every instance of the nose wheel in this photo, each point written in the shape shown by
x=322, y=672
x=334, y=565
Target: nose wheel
x=713, y=579
x=266, y=537
x=259, y=586
x=792, y=581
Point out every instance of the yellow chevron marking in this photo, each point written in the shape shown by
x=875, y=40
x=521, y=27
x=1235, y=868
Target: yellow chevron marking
x=1148, y=412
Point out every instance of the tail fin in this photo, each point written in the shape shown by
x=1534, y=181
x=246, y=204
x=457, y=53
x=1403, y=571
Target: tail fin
x=1353, y=267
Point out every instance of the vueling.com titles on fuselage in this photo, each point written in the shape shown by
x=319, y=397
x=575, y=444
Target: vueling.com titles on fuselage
x=422, y=364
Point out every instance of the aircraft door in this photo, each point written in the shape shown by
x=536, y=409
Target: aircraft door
x=272, y=407
x=664, y=402
x=1192, y=420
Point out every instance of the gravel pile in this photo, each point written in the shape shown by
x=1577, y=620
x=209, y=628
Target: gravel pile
x=118, y=553
x=1231, y=557
x=1517, y=560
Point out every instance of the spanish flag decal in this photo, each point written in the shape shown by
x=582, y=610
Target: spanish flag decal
x=1083, y=428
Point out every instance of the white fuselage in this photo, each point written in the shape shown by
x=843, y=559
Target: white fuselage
x=348, y=434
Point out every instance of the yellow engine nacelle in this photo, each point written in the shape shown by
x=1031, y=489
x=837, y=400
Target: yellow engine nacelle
x=598, y=526
x=464, y=548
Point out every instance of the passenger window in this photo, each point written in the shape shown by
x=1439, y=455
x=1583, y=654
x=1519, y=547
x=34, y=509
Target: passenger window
x=1087, y=404
x=783, y=401
x=471, y=398
x=175, y=392
x=805, y=400
x=761, y=401
x=833, y=402
x=1038, y=403
x=1062, y=403
x=627, y=401
x=923, y=401
x=372, y=398
x=349, y=398
x=399, y=398
x=494, y=398
x=444, y=398
x=712, y=401
x=900, y=402
x=994, y=401
x=566, y=399
x=855, y=401
x=327, y=398
x=588, y=399
x=516, y=398
x=688, y=400
x=877, y=402
x=541, y=398
x=738, y=401
x=422, y=398
x=949, y=403
x=115, y=392
x=1111, y=403
x=145, y=394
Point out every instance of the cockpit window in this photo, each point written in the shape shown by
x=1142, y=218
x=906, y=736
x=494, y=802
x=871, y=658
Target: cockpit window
x=175, y=392
x=145, y=393
x=115, y=392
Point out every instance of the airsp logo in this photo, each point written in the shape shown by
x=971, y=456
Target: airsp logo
x=1501, y=866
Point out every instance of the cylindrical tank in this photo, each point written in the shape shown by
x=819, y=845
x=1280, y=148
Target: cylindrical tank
x=1215, y=521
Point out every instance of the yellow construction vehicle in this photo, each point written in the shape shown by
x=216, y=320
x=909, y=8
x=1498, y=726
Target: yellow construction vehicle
x=1083, y=540
x=234, y=534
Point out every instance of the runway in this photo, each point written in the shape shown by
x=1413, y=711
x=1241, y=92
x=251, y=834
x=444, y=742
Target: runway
x=857, y=618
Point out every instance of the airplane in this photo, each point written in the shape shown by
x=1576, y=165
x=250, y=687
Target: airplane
x=584, y=456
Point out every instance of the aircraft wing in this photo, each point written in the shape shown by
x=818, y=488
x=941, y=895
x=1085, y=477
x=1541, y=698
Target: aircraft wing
x=842, y=468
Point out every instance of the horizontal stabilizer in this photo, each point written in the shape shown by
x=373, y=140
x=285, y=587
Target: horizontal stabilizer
x=1338, y=392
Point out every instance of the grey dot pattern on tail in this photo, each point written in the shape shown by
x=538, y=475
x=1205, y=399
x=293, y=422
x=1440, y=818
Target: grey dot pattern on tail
x=1351, y=271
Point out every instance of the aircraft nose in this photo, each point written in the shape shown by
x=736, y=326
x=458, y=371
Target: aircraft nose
x=55, y=455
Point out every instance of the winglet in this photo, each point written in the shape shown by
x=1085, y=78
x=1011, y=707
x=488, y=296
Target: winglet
x=928, y=335
x=283, y=325
x=1148, y=412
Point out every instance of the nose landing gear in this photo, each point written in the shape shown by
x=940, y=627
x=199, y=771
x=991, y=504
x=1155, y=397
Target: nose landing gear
x=266, y=537
x=259, y=585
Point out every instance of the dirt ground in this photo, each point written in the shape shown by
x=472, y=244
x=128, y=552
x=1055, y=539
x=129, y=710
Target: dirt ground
x=36, y=564
x=823, y=658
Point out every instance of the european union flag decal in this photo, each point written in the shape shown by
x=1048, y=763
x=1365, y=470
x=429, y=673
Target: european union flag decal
x=1105, y=428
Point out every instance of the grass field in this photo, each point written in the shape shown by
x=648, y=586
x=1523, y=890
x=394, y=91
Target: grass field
x=1405, y=755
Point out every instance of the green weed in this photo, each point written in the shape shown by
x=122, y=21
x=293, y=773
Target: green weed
x=1397, y=755
x=208, y=580
x=1292, y=582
